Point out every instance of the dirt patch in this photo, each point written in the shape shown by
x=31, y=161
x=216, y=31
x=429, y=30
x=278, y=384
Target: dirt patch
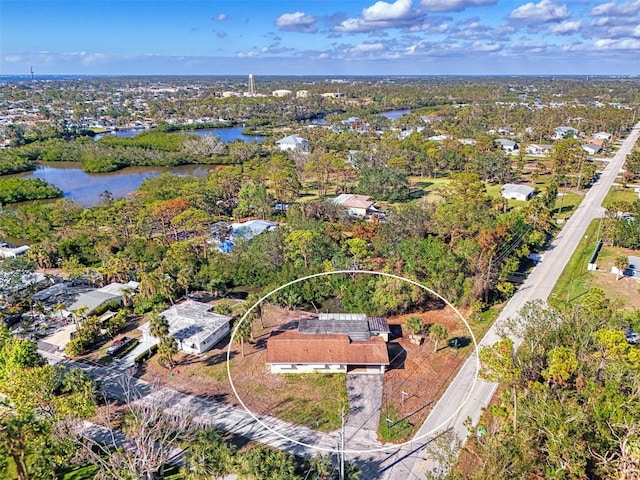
x=623, y=291
x=418, y=375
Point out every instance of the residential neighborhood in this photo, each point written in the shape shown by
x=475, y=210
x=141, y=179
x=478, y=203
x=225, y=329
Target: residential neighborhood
x=266, y=265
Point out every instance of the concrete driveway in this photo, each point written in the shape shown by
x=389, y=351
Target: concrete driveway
x=365, y=401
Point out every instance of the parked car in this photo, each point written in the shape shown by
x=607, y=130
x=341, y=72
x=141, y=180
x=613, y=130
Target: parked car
x=119, y=345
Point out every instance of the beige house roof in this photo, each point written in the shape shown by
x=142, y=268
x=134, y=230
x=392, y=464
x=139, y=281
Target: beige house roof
x=291, y=347
x=351, y=200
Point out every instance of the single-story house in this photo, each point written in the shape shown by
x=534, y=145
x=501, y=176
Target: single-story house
x=292, y=142
x=592, y=148
x=224, y=234
x=602, y=136
x=251, y=228
x=194, y=327
x=517, y=192
x=356, y=205
x=331, y=343
x=564, y=132
x=12, y=252
x=94, y=299
x=538, y=149
x=16, y=285
x=281, y=93
x=506, y=144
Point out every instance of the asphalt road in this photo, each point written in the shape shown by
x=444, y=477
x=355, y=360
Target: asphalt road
x=413, y=461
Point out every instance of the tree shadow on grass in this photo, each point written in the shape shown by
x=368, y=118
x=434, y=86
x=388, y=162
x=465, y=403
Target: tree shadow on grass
x=219, y=358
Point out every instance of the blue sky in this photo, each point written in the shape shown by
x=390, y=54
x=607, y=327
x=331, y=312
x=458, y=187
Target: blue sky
x=320, y=37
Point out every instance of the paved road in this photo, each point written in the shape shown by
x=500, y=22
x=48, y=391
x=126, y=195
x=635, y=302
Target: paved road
x=411, y=462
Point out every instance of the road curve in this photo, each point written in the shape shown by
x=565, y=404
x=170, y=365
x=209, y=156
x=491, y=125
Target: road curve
x=412, y=462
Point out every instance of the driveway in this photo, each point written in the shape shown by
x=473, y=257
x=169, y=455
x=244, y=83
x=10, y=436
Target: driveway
x=365, y=400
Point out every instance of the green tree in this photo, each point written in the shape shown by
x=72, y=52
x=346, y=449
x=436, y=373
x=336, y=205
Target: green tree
x=437, y=333
x=208, y=455
x=414, y=324
x=498, y=364
x=167, y=348
x=621, y=262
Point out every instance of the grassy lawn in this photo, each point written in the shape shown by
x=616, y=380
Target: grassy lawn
x=329, y=391
x=393, y=428
x=575, y=277
x=566, y=203
x=619, y=195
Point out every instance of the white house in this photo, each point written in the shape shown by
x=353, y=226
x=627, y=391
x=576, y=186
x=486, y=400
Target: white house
x=281, y=93
x=356, y=205
x=517, y=192
x=194, y=327
x=538, y=149
x=506, y=144
x=11, y=252
x=331, y=343
x=592, y=148
x=602, y=136
x=563, y=132
x=293, y=142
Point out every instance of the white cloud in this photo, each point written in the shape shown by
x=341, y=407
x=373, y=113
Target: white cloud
x=543, y=11
x=220, y=17
x=297, y=22
x=367, y=48
x=453, y=5
x=616, y=10
x=383, y=11
x=399, y=14
x=565, y=28
x=486, y=46
x=247, y=54
x=611, y=44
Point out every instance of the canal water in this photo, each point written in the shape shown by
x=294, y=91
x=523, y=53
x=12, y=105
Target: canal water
x=85, y=188
x=226, y=134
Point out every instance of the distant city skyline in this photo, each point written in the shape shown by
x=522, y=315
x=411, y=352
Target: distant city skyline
x=328, y=37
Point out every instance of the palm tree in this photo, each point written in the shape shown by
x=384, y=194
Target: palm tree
x=438, y=332
x=621, y=263
x=414, y=324
x=244, y=333
x=80, y=313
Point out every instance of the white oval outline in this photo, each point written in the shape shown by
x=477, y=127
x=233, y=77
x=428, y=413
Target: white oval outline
x=349, y=451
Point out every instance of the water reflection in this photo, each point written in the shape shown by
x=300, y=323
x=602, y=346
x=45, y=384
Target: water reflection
x=85, y=188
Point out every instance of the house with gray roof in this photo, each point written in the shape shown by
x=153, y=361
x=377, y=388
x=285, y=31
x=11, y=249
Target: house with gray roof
x=517, y=192
x=194, y=327
x=564, y=132
x=292, y=142
x=506, y=144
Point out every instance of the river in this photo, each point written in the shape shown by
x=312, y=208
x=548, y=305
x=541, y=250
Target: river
x=394, y=114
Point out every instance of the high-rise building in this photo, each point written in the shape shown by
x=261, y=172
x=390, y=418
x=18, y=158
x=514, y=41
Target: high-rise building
x=252, y=85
